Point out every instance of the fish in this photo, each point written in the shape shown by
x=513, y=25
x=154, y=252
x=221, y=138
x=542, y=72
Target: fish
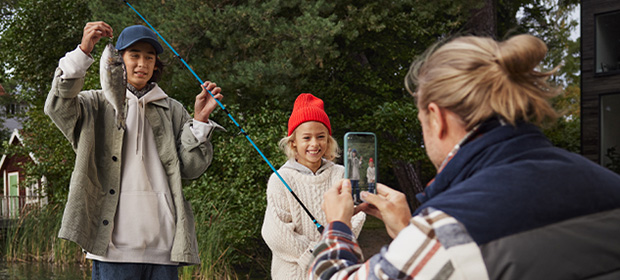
x=113, y=76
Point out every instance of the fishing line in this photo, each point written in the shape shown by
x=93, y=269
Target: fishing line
x=318, y=226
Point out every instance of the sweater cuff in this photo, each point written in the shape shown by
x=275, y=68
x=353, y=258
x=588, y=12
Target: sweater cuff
x=203, y=130
x=74, y=64
x=306, y=258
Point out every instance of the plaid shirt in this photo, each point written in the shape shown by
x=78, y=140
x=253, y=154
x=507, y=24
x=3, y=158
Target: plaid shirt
x=433, y=246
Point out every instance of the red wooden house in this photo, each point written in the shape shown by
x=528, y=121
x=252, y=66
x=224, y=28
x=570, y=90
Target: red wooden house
x=16, y=195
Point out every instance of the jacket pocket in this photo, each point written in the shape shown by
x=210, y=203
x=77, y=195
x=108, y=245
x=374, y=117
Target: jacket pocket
x=143, y=221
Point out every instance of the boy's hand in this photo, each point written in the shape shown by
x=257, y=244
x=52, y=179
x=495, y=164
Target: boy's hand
x=93, y=31
x=205, y=104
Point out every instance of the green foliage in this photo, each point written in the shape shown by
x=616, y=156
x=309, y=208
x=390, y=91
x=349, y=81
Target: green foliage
x=233, y=189
x=33, y=237
x=214, y=250
x=36, y=34
x=398, y=130
x=352, y=54
x=5, y=132
x=565, y=132
x=53, y=152
x=549, y=20
x=257, y=50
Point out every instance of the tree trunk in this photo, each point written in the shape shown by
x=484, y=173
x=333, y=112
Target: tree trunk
x=409, y=182
x=483, y=21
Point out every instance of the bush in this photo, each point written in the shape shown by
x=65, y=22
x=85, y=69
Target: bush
x=229, y=201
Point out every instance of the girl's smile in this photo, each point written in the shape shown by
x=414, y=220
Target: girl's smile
x=310, y=144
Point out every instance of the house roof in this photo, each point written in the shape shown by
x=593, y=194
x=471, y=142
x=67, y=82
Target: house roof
x=16, y=138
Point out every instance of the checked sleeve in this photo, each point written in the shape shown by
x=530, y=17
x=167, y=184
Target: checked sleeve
x=433, y=246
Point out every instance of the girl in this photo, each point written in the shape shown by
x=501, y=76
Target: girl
x=371, y=176
x=288, y=231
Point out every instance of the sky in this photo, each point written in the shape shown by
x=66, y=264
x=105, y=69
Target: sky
x=576, y=14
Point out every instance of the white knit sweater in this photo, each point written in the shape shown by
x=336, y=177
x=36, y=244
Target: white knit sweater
x=287, y=229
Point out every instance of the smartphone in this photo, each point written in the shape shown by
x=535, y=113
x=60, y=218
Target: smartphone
x=360, y=162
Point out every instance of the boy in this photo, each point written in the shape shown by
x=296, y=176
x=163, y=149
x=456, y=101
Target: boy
x=355, y=164
x=126, y=207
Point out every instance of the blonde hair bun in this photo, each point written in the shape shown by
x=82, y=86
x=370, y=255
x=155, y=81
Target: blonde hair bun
x=521, y=54
x=478, y=78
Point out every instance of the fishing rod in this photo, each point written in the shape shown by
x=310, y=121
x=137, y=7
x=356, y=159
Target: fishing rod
x=319, y=227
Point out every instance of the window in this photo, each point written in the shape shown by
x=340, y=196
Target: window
x=607, y=42
x=610, y=134
x=12, y=109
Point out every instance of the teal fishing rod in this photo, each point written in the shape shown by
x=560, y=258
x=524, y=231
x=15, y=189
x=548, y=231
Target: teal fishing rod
x=319, y=227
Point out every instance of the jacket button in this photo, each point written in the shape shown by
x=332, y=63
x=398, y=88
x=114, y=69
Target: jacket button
x=105, y=222
x=114, y=158
x=112, y=191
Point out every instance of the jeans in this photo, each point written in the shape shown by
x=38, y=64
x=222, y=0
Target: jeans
x=355, y=189
x=371, y=187
x=137, y=271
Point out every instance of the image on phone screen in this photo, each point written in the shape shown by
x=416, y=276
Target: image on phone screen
x=360, y=162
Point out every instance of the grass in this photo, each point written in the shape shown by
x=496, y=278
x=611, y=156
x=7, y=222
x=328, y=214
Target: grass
x=373, y=223
x=214, y=253
x=33, y=238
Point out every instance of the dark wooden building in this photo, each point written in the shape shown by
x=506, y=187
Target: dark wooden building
x=600, y=79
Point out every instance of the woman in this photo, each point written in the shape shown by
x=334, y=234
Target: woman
x=505, y=203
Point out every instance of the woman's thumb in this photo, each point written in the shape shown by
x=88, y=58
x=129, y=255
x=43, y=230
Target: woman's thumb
x=373, y=199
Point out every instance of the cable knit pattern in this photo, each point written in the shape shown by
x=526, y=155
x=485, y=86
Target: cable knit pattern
x=287, y=229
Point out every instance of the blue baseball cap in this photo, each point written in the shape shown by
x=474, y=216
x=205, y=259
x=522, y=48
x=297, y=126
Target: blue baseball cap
x=137, y=33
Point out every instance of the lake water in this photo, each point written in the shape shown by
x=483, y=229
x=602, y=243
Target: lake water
x=42, y=271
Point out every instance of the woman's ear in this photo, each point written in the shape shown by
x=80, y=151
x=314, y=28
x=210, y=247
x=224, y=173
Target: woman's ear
x=437, y=120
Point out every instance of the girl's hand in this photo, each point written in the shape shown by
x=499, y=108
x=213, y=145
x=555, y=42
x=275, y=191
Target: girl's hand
x=205, y=104
x=93, y=31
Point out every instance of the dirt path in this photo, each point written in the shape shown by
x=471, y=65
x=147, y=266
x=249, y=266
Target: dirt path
x=373, y=237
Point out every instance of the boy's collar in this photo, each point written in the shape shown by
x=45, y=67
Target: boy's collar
x=141, y=92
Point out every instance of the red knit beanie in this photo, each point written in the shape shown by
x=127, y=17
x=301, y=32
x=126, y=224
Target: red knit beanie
x=308, y=108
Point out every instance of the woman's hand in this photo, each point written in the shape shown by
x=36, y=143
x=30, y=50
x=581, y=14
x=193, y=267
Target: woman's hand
x=338, y=203
x=388, y=205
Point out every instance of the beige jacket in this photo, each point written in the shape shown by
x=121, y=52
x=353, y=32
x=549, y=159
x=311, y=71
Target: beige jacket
x=88, y=121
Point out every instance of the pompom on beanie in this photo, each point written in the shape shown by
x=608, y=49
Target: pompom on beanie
x=308, y=108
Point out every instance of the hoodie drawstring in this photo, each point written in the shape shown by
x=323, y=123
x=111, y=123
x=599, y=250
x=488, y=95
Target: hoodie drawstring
x=141, y=119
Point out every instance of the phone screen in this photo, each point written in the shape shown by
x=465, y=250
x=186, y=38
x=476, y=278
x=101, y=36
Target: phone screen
x=360, y=162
